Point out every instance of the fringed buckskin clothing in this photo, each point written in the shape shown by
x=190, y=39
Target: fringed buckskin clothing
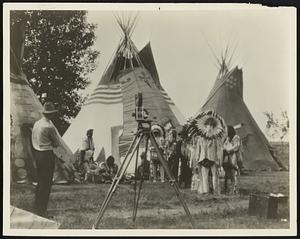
x=197, y=175
x=232, y=155
x=210, y=158
x=44, y=139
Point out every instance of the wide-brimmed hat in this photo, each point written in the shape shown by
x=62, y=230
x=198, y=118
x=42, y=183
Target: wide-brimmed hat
x=49, y=108
x=197, y=125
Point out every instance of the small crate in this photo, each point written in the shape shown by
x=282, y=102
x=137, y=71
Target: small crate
x=266, y=205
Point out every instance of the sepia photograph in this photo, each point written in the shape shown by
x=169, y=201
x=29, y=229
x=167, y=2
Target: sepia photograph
x=149, y=119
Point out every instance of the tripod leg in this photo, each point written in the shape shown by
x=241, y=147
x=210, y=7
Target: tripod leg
x=137, y=200
x=171, y=177
x=135, y=179
x=116, y=181
x=141, y=182
x=120, y=169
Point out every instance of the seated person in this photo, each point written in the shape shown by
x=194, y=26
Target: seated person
x=143, y=170
x=107, y=170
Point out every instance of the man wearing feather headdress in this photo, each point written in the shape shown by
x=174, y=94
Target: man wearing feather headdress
x=211, y=129
x=210, y=157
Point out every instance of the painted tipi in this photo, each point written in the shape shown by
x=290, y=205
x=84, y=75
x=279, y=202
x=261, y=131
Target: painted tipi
x=226, y=98
x=25, y=110
x=108, y=110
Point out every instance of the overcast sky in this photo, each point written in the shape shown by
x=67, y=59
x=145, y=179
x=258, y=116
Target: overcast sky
x=186, y=65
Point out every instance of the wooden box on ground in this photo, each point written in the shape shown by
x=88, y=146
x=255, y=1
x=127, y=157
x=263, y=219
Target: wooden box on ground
x=269, y=206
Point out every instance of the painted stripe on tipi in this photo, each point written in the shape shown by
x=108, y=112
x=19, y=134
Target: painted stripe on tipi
x=105, y=102
x=105, y=97
x=167, y=98
x=104, y=94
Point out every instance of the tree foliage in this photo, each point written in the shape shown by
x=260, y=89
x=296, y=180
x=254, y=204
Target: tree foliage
x=58, y=57
x=277, y=127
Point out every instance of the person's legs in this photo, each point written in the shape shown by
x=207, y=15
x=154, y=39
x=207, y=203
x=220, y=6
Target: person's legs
x=37, y=203
x=45, y=167
x=205, y=185
x=154, y=172
x=234, y=173
x=227, y=176
x=199, y=179
x=215, y=179
x=48, y=178
x=233, y=178
x=174, y=169
x=86, y=169
x=162, y=173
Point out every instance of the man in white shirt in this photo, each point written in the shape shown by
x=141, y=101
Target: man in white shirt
x=87, y=151
x=45, y=137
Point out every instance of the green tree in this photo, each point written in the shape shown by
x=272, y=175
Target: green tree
x=58, y=57
x=277, y=127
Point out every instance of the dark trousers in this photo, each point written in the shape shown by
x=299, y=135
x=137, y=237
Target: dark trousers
x=45, y=163
x=174, y=166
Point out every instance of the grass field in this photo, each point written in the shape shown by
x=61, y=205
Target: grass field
x=76, y=206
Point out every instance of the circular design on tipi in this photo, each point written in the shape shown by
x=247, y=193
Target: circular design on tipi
x=20, y=163
x=22, y=173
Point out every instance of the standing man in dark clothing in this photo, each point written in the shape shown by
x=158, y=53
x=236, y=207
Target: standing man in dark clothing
x=45, y=137
x=144, y=169
x=173, y=151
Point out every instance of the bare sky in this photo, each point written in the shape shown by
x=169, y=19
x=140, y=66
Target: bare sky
x=186, y=65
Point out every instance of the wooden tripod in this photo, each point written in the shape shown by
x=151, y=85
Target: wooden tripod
x=143, y=132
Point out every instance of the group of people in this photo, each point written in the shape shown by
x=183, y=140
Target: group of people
x=93, y=170
x=214, y=158
x=210, y=158
x=170, y=149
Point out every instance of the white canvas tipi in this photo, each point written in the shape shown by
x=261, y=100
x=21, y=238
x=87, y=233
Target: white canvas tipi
x=108, y=110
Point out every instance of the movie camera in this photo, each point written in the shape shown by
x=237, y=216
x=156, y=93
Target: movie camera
x=140, y=113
